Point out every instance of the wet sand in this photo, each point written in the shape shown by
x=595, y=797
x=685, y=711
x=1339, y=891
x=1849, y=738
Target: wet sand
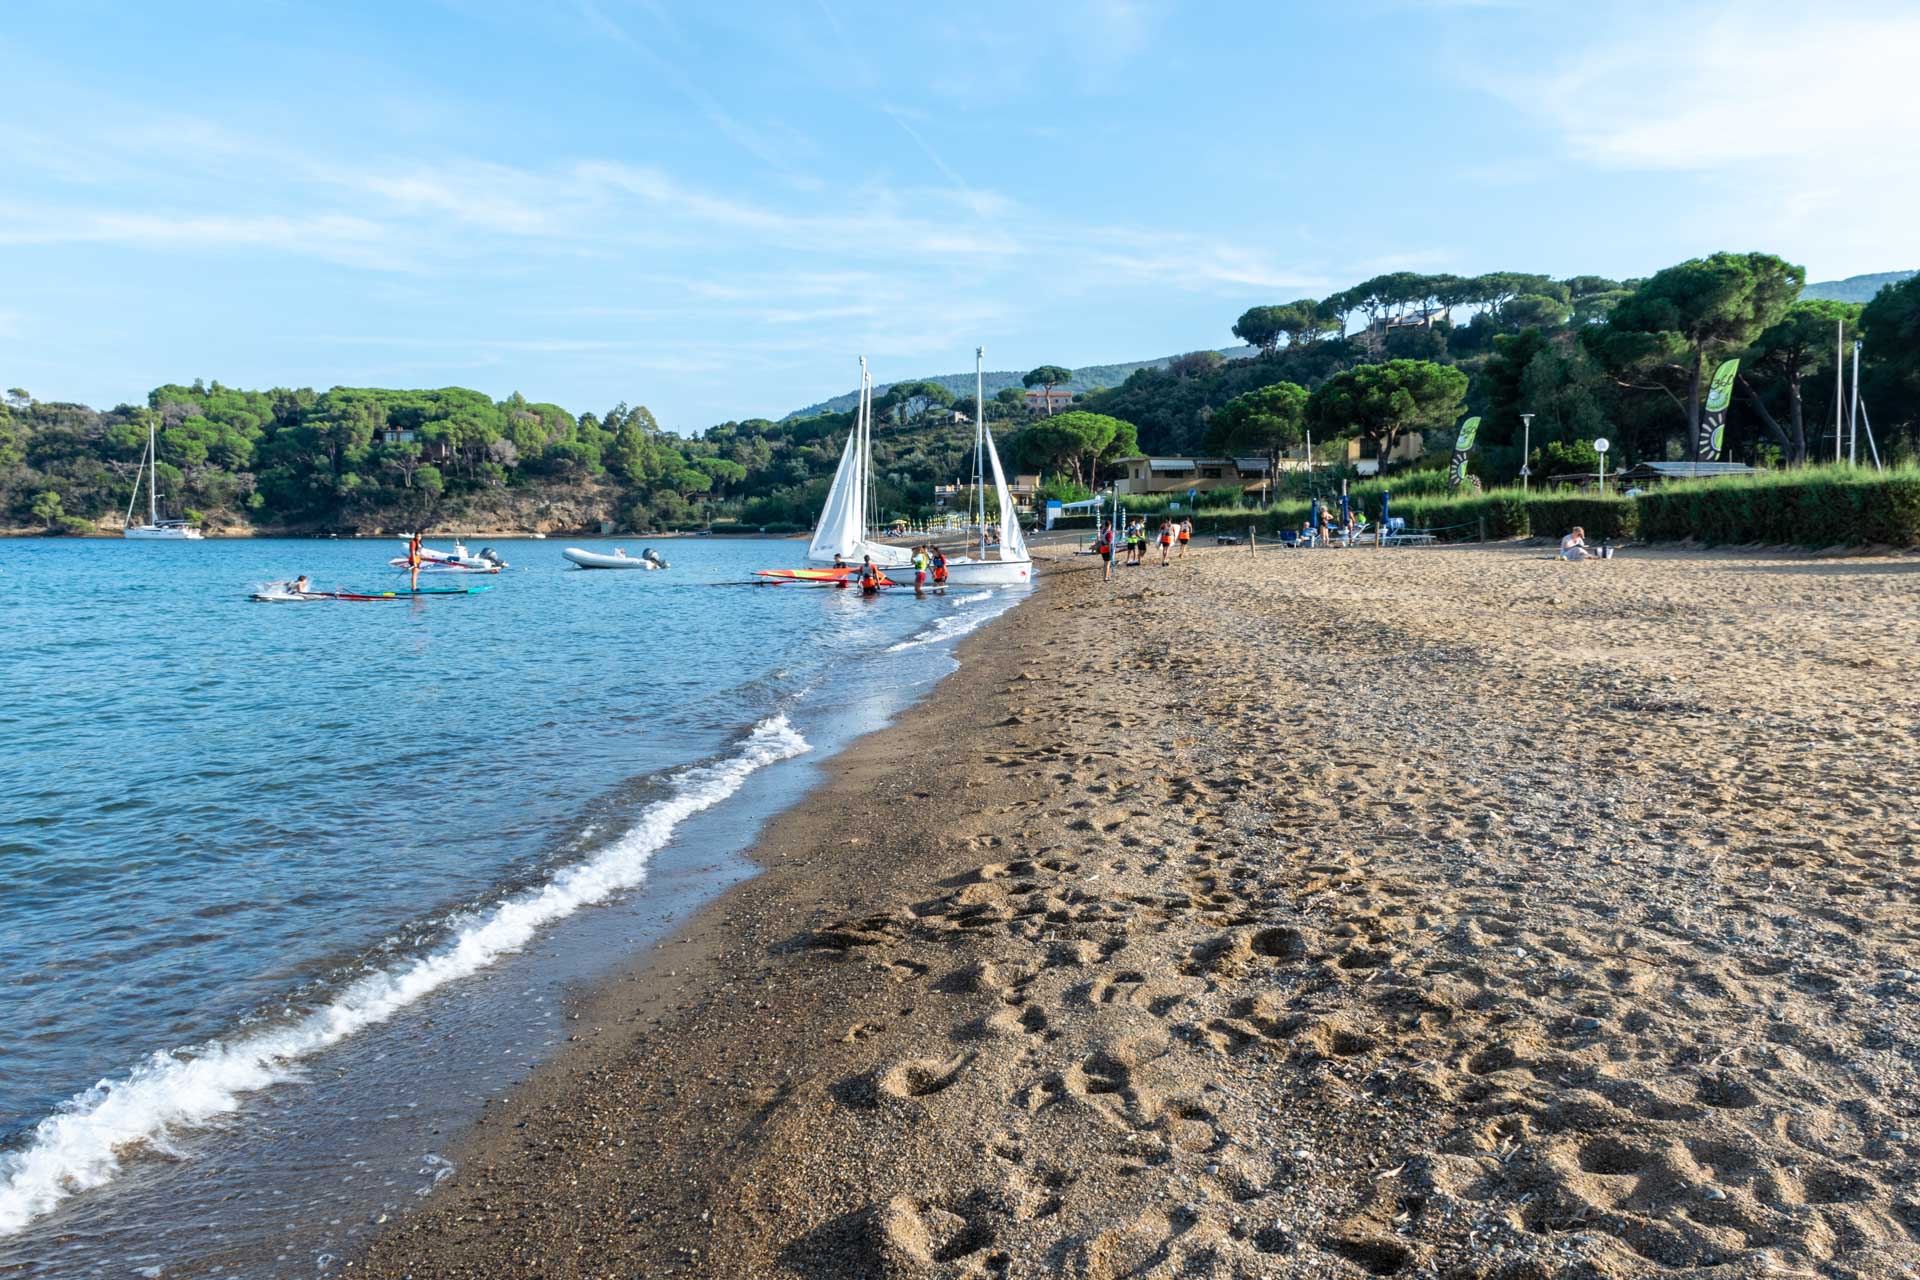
x=1303, y=913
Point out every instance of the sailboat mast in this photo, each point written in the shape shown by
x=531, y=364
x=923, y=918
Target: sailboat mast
x=153, y=489
x=979, y=442
x=134, y=497
x=866, y=451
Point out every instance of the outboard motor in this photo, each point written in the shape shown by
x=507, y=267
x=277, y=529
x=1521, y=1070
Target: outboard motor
x=492, y=557
x=653, y=557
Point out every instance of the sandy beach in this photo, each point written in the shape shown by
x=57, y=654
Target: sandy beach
x=1424, y=912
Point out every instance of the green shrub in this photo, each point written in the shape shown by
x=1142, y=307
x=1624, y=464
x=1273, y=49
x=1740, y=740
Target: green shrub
x=1817, y=507
x=1611, y=517
x=1501, y=513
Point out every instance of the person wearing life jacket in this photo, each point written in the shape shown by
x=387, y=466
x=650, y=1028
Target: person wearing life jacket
x=1166, y=541
x=869, y=577
x=921, y=563
x=1103, y=545
x=939, y=568
x=1185, y=533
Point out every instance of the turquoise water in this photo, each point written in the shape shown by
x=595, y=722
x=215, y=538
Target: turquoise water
x=241, y=843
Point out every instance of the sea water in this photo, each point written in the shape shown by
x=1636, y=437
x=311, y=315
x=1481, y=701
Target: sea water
x=288, y=890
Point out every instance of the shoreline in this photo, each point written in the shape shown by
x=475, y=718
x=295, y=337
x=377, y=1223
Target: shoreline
x=700, y=966
x=1460, y=913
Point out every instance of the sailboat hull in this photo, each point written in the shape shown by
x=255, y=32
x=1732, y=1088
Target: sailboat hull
x=989, y=573
x=168, y=533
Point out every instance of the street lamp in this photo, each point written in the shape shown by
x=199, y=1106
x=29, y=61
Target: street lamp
x=1600, y=447
x=1526, y=449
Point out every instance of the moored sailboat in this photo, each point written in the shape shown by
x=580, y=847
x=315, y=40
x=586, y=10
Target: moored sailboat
x=155, y=527
x=1011, y=566
x=844, y=518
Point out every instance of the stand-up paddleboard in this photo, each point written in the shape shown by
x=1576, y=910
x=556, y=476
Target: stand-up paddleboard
x=285, y=597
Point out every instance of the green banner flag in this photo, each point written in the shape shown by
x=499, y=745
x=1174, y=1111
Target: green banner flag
x=1462, y=446
x=1713, y=423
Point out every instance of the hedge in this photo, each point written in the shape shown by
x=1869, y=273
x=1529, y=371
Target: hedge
x=1614, y=518
x=1819, y=507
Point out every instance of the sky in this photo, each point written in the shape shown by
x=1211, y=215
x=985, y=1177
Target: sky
x=714, y=208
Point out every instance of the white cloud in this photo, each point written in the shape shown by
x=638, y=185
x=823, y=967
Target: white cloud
x=339, y=238
x=1805, y=118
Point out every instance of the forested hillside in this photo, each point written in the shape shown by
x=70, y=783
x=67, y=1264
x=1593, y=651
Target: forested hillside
x=1090, y=378
x=1855, y=288
x=1585, y=356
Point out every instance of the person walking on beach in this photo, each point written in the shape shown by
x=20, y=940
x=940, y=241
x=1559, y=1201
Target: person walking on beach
x=1186, y=535
x=1166, y=541
x=1103, y=545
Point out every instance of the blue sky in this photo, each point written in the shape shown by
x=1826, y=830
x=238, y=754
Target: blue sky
x=713, y=208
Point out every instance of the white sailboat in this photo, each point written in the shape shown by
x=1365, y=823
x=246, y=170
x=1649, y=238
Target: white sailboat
x=842, y=530
x=1012, y=566
x=155, y=527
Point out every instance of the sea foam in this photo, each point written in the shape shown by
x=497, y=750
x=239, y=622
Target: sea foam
x=950, y=627
x=79, y=1147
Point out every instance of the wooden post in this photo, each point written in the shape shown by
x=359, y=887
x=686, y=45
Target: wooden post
x=1253, y=541
x=1483, y=528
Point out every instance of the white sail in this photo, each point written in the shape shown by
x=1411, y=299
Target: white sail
x=842, y=526
x=1013, y=546
x=842, y=530
x=1014, y=567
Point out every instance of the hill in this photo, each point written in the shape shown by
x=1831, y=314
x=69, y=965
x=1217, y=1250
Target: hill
x=961, y=384
x=1854, y=288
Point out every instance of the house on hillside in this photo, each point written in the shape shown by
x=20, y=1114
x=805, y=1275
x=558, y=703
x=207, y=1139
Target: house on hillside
x=1174, y=476
x=1365, y=461
x=1023, y=488
x=1049, y=400
x=430, y=450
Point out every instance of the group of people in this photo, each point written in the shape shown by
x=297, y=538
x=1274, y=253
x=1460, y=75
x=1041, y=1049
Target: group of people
x=1134, y=538
x=1319, y=528
x=929, y=565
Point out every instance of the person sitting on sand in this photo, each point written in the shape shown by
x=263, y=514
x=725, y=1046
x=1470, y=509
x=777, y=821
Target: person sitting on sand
x=1574, y=545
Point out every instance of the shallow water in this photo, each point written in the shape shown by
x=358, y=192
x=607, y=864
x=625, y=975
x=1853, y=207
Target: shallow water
x=303, y=883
